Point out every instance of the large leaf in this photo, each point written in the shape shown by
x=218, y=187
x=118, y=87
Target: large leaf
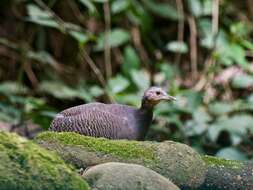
x=200, y=7
x=177, y=47
x=118, y=84
x=207, y=38
x=9, y=113
x=117, y=37
x=41, y=17
x=219, y=108
x=81, y=37
x=162, y=9
x=131, y=60
x=10, y=88
x=129, y=99
x=195, y=7
x=140, y=16
x=89, y=4
x=62, y=91
x=119, y=6
x=141, y=79
x=199, y=124
x=242, y=81
x=42, y=57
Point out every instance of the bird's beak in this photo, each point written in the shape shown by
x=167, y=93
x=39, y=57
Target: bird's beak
x=168, y=97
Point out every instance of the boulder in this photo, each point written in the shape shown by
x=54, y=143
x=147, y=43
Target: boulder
x=121, y=176
x=175, y=161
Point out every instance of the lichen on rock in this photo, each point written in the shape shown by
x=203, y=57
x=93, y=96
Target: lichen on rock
x=26, y=166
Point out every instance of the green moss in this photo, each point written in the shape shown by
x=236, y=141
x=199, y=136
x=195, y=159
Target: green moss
x=26, y=166
x=121, y=148
x=220, y=162
x=175, y=161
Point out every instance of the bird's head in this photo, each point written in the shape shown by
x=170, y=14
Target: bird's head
x=153, y=96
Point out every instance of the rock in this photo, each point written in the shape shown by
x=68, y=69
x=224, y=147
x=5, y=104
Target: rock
x=175, y=161
x=26, y=166
x=121, y=176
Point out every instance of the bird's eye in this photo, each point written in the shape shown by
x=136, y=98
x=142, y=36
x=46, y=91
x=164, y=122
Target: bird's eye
x=158, y=92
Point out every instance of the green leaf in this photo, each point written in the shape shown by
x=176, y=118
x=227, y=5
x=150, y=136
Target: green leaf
x=190, y=100
x=10, y=88
x=119, y=6
x=231, y=154
x=118, y=84
x=177, y=47
x=62, y=91
x=81, y=37
x=199, y=124
x=168, y=70
x=100, y=1
x=32, y=103
x=41, y=17
x=195, y=7
x=9, y=113
x=139, y=15
x=141, y=79
x=240, y=29
x=131, y=60
x=130, y=99
x=58, y=90
x=207, y=38
x=220, y=108
x=117, y=37
x=96, y=91
x=88, y=3
x=242, y=81
x=164, y=10
x=207, y=7
x=42, y=57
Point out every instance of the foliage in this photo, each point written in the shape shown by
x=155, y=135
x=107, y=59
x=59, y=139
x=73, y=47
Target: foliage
x=56, y=54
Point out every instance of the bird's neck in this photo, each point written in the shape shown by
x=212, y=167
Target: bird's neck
x=146, y=106
x=144, y=121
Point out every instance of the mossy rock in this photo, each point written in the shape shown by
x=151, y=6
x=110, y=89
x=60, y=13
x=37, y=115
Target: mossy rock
x=175, y=161
x=26, y=166
x=121, y=176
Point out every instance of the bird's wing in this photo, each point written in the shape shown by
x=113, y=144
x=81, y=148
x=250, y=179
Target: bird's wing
x=94, y=122
x=76, y=110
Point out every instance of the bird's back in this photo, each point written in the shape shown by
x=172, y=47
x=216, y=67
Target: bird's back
x=114, y=121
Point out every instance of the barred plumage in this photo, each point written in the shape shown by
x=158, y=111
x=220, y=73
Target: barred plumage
x=113, y=121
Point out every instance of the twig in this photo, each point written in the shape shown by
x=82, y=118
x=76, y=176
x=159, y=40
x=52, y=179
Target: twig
x=250, y=8
x=136, y=37
x=210, y=61
x=57, y=18
x=107, y=48
x=33, y=79
x=215, y=17
x=180, y=27
x=193, y=46
x=77, y=13
x=85, y=57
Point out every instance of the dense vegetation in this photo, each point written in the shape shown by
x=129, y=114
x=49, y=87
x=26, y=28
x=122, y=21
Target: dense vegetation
x=57, y=54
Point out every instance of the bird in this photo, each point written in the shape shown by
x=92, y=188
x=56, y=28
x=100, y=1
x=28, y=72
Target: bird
x=112, y=121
